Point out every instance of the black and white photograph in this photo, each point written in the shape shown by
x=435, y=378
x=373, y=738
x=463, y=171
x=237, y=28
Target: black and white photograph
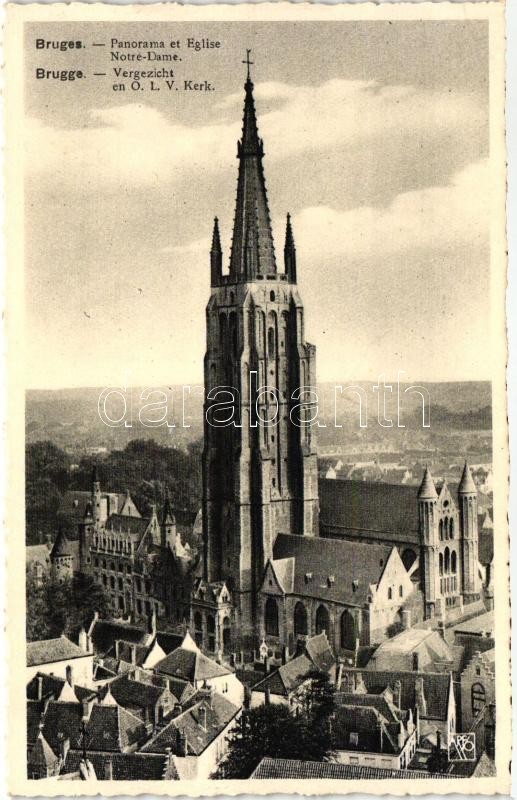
x=261, y=461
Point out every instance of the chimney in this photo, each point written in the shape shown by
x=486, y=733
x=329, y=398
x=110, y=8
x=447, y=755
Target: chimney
x=420, y=696
x=406, y=619
x=132, y=649
x=89, y=646
x=182, y=744
x=339, y=676
x=285, y=654
x=401, y=736
x=151, y=623
x=137, y=675
x=83, y=641
x=40, y=687
x=87, y=708
x=69, y=675
x=64, y=747
x=441, y=629
x=415, y=662
x=359, y=688
x=397, y=693
x=202, y=717
x=108, y=769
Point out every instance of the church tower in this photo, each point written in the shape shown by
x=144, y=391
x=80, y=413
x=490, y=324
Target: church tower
x=259, y=460
x=429, y=541
x=468, y=503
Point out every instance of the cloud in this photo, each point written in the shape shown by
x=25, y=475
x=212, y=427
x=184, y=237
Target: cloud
x=137, y=145
x=436, y=218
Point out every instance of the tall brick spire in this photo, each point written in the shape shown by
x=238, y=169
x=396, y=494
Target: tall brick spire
x=252, y=247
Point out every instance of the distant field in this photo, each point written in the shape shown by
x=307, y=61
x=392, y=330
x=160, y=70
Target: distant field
x=70, y=418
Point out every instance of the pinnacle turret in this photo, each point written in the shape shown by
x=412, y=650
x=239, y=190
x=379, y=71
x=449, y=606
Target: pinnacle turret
x=289, y=252
x=216, y=256
x=467, y=485
x=427, y=489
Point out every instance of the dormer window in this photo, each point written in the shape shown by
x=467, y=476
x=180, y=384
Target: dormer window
x=308, y=577
x=331, y=580
x=355, y=584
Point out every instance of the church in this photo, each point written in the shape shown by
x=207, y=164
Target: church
x=272, y=570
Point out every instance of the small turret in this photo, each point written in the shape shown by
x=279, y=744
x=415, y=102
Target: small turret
x=289, y=252
x=168, y=526
x=216, y=256
x=96, y=497
x=467, y=485
x=427, y=489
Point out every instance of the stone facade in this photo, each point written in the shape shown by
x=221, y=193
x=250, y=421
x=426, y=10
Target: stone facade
x=259, y=460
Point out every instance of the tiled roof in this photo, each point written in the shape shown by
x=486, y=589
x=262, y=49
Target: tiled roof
x=42, y=754
x=63, y=721
x=287, y=678
x=279, y=768
x=129, y=692
x=201, y=723
x=320, y=652
x=105, y=632
x=61, y=546
x=482, y=624
x=360, y=506
x=113, y=728
x=47, y=651
x=429, y=644
x=52, y=685
x=486, y=547
x=124, y=766
x=388, y=710
x=190, y=665
x=366, y=721
x=333, y=569
x=34, y=710
x=121, y=522
x=435, y=685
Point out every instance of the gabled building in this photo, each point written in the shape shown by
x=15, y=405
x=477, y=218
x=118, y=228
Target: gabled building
x=430, y=694
x=353, y=592
x=139, y=560
x=189, y=664
x=58, y=657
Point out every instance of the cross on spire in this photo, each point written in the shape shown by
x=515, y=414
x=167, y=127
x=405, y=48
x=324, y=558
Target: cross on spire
x=248, y=63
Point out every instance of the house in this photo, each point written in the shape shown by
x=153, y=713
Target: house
x=414, y=649
x=351, y=590
x=431, y=694
x=187, y=663
x=371, y=730
x=197, y=735
x=476, y=635
x=57, y=656
x=477, y=687
x=136, y=693
x=286, y=685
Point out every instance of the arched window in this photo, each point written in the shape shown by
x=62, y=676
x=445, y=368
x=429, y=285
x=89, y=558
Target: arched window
x=300, y=620
x=478, y=697
x=322, y=620
x=440, y=562
x=226, y=635
x=453, y=562
x=440, y=530
x=271, y=617
x=210, y=629
x=272, y=297
x=451, y=528
x=198, y=628
x=390, y=593
x=446, y=561
x=271, y=342
x=347, y=631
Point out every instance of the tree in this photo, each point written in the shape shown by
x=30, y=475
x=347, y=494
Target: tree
x=54, y=608
x=274, y=731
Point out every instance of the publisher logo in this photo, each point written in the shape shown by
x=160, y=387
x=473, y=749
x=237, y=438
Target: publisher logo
x=462, y=747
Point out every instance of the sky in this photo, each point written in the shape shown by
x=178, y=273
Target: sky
x=376, y=141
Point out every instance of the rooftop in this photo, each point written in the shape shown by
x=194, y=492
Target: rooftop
x=280, y=768
x=47, y=651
